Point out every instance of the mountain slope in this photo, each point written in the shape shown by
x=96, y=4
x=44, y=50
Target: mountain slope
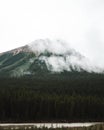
x=43, y=57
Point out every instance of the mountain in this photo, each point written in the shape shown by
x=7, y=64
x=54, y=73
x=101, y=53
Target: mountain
x=51, y=83
x=44, y=57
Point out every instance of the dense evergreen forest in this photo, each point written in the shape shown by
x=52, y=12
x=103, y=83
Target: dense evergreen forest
x=66, y=97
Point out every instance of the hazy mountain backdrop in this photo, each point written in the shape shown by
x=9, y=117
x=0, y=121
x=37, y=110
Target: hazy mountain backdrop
x=44, y=57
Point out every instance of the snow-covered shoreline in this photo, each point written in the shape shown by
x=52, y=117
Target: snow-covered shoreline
x=48, y=125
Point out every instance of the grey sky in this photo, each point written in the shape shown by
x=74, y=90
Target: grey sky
x=79, y=22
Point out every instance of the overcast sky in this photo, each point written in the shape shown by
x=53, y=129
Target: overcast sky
x=79, y=22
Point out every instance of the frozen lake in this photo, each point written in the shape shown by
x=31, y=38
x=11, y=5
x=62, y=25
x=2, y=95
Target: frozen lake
x=48, y=125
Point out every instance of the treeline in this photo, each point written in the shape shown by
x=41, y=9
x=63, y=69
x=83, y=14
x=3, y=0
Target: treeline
x=52, y=98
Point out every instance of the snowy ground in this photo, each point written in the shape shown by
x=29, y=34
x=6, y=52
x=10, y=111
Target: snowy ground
x=48, y=125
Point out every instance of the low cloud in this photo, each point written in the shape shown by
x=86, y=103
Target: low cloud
x=62, y=57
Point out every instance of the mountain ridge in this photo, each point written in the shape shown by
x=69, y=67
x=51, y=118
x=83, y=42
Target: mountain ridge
x=42, y=57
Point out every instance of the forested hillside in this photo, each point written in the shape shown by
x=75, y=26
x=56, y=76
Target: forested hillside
x=65, y=97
